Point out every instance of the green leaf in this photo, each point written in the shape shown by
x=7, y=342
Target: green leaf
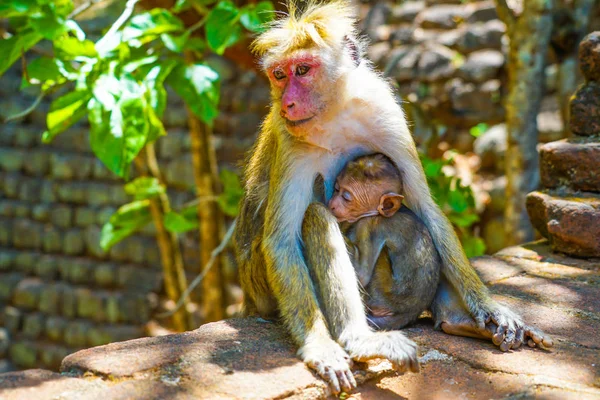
x=256, y=16
x=198, y=85
x=479, y=129
x=74, y=27
x=118, y=132
x=152, y=23
x=182, y=5
x=43, y=71
x=12, y=48
x=222, y=28
x=129, y=125
x=17, y=8
x=125, y=221
x=432, y=168
x=48, y=24
x=154, y=81
x=474, y=246
x=145, y=187
x=69, y=48
x=229, y=200
x=156, y=128
x=195, y=44
x=175, y=43
x=463, y=220
x=180, y=223
x=457, y=201
x=64, y=112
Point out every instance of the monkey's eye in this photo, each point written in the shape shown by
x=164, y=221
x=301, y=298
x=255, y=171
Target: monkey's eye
x=346, y=195
x=336, y=188
x=279, y=74
x=302, y=70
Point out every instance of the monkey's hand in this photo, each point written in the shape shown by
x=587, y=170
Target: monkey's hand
x=509, y=331
x=393, y=345
x=331, y=362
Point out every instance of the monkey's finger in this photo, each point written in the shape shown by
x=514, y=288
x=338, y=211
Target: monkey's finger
x=413, y=365
x=330, y=376
x=531, y=343
x=519, y=338
x=399, y=366
x=547, y=341
x=343, y=380
x=539, y=338
x=535, y=335
x=499, y=335
x=507, y=343
x=350, y=377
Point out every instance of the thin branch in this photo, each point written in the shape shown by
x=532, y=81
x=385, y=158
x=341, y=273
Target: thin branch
x=26, y=111
x=83, y=7
x=213, y=257
x=198, y=25
x=505, y=13
x=199, y=200
x=24, y=65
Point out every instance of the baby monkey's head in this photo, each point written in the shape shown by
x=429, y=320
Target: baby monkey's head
x=368, y=186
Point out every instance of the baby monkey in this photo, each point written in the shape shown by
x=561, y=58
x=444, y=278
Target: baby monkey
x=391, y=249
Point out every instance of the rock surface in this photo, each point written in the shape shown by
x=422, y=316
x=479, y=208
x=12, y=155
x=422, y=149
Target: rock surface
x=574, y=163
x=570, y=221
x=252, y=358
x=585, y=110
x=589, y=56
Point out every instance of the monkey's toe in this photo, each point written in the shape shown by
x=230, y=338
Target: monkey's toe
x=331, y=363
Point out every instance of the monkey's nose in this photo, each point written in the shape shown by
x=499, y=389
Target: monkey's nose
x=288, y=106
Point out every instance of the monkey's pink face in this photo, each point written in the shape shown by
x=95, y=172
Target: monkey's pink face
x=296, y=80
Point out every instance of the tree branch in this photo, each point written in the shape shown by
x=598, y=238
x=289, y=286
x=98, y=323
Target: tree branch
x=198, y=279
x=505, y=13
x=26, y=111
x=83, y=7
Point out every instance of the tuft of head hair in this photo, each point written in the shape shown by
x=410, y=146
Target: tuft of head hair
x=315, y=24
x=373, y=167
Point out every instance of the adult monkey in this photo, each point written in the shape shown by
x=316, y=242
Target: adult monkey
x=329, y=107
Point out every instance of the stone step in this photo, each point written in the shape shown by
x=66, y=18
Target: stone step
x=574, y=163
x=589, y=56
x=571, y=222
x=585, y=110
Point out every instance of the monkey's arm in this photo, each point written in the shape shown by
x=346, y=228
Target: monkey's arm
x=290, y=280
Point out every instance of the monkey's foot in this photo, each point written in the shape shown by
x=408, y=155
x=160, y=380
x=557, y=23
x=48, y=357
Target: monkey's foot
x=392, y=345
x=332, y=364
x=503, y=327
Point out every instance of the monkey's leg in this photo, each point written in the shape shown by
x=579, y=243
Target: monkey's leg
x=339, y=295
x=452, y=317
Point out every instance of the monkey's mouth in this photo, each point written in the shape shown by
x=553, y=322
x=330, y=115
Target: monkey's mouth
x=297, y=122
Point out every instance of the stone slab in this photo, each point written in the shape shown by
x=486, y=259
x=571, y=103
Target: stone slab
x=454, y=379
x=237, y=358
x=570, y=221
x=254, y=359
x=574, y=163
x=540, y=251
x=45, y=385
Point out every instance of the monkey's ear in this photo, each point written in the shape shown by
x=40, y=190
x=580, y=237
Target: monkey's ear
x=389, y=204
